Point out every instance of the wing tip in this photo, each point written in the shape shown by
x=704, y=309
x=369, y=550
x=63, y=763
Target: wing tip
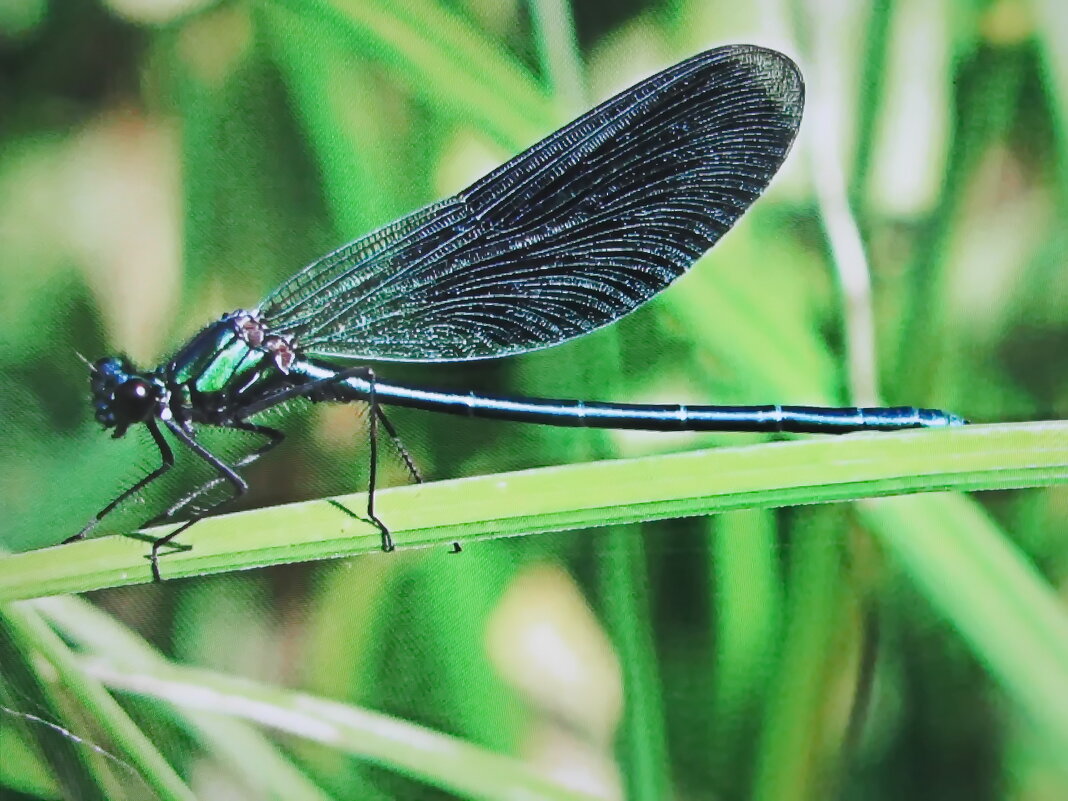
x=777, y=73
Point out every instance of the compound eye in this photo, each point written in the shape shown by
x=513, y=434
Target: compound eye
x=134, y=399
x=112, y=365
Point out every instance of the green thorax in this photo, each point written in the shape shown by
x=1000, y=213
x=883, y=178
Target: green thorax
x=219, y=359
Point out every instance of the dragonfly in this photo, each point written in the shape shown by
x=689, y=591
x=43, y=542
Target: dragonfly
x=572, y=234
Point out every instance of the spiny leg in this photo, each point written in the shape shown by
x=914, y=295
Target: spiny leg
x=413, y=471
x=274, y=439
x=406, y=457
x=166, y=463
x=225, y=472
x=376, y=416
x=319, y=387
x=372, y=477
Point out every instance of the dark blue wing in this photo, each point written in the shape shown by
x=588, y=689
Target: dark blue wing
x=571, y=234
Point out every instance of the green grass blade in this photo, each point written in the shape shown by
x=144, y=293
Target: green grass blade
x=21, y=769
x=438, y=759
x=568, y=497
x=627, y=608
x=795, y=728
x=40, y=756
x=442, y=60
x=265, y=769
x=1050, y=33
x=974, y=577
x=131, y=742
x=748, y=593
x=559, y=53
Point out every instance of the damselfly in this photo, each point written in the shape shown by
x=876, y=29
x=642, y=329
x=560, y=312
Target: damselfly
x=568, y=236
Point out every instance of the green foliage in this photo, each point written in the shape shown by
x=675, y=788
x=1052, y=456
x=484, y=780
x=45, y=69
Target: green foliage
x=736, y=647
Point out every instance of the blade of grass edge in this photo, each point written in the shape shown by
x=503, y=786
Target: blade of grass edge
x=433, y=757
x=150, y=765
x=979, y=582
x=265, y=769
x=569, y=497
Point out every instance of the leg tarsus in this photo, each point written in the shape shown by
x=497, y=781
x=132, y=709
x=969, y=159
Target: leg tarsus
x=153, y=557
x=387, y=538
x=166, y=539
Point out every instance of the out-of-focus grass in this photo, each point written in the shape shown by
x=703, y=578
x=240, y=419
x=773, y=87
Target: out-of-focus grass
x=208, y=155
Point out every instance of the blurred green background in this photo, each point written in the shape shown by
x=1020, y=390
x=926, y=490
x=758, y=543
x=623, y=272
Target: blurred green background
x=165, y=161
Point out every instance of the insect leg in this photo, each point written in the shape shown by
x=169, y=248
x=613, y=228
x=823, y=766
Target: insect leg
x=413, y=471
x=226, y=473
x=372, y=473
x=166, y=463
x=274, y=439
x=409, y=463
x=317, y=390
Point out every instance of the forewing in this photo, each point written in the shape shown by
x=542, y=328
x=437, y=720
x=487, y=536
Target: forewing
x=571, y=234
